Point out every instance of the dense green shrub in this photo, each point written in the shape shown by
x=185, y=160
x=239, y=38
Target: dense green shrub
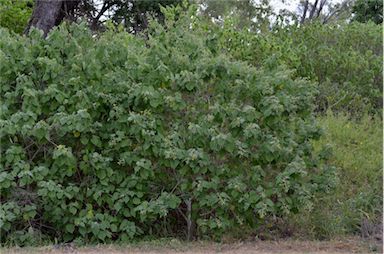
x=14, y=14
x=111, y=137
x=344, y=59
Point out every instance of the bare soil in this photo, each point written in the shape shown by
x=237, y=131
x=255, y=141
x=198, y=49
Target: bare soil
x=173, y=246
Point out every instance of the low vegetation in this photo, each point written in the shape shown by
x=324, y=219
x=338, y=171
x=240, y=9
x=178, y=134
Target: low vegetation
x=355, y=207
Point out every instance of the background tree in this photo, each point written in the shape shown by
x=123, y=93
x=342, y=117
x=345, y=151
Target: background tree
x=252, y=15
x=131, y=13
x=49, y=13
x=365, y=10
x=323, y=11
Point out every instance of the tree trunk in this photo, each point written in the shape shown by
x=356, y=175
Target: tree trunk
x=49, y=13
x=313, y=10
x=304, y=12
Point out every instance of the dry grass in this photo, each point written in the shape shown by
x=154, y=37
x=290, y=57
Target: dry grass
x=173, y=246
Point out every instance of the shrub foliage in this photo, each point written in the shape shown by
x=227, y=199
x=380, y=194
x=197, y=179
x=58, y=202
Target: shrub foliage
x=14, y=14
x=344, y=59
x=114, y=136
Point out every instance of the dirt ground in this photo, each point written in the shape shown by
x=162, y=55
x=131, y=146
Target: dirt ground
x=253, y=247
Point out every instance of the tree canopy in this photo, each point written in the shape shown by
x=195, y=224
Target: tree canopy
x=368, y=10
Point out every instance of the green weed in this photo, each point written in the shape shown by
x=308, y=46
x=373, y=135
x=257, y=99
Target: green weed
x=356, y=205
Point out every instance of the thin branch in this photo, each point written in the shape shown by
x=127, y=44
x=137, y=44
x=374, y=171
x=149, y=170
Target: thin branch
x=322, y=4
x=335, y=11
x=104, y=8
x=34, y=155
